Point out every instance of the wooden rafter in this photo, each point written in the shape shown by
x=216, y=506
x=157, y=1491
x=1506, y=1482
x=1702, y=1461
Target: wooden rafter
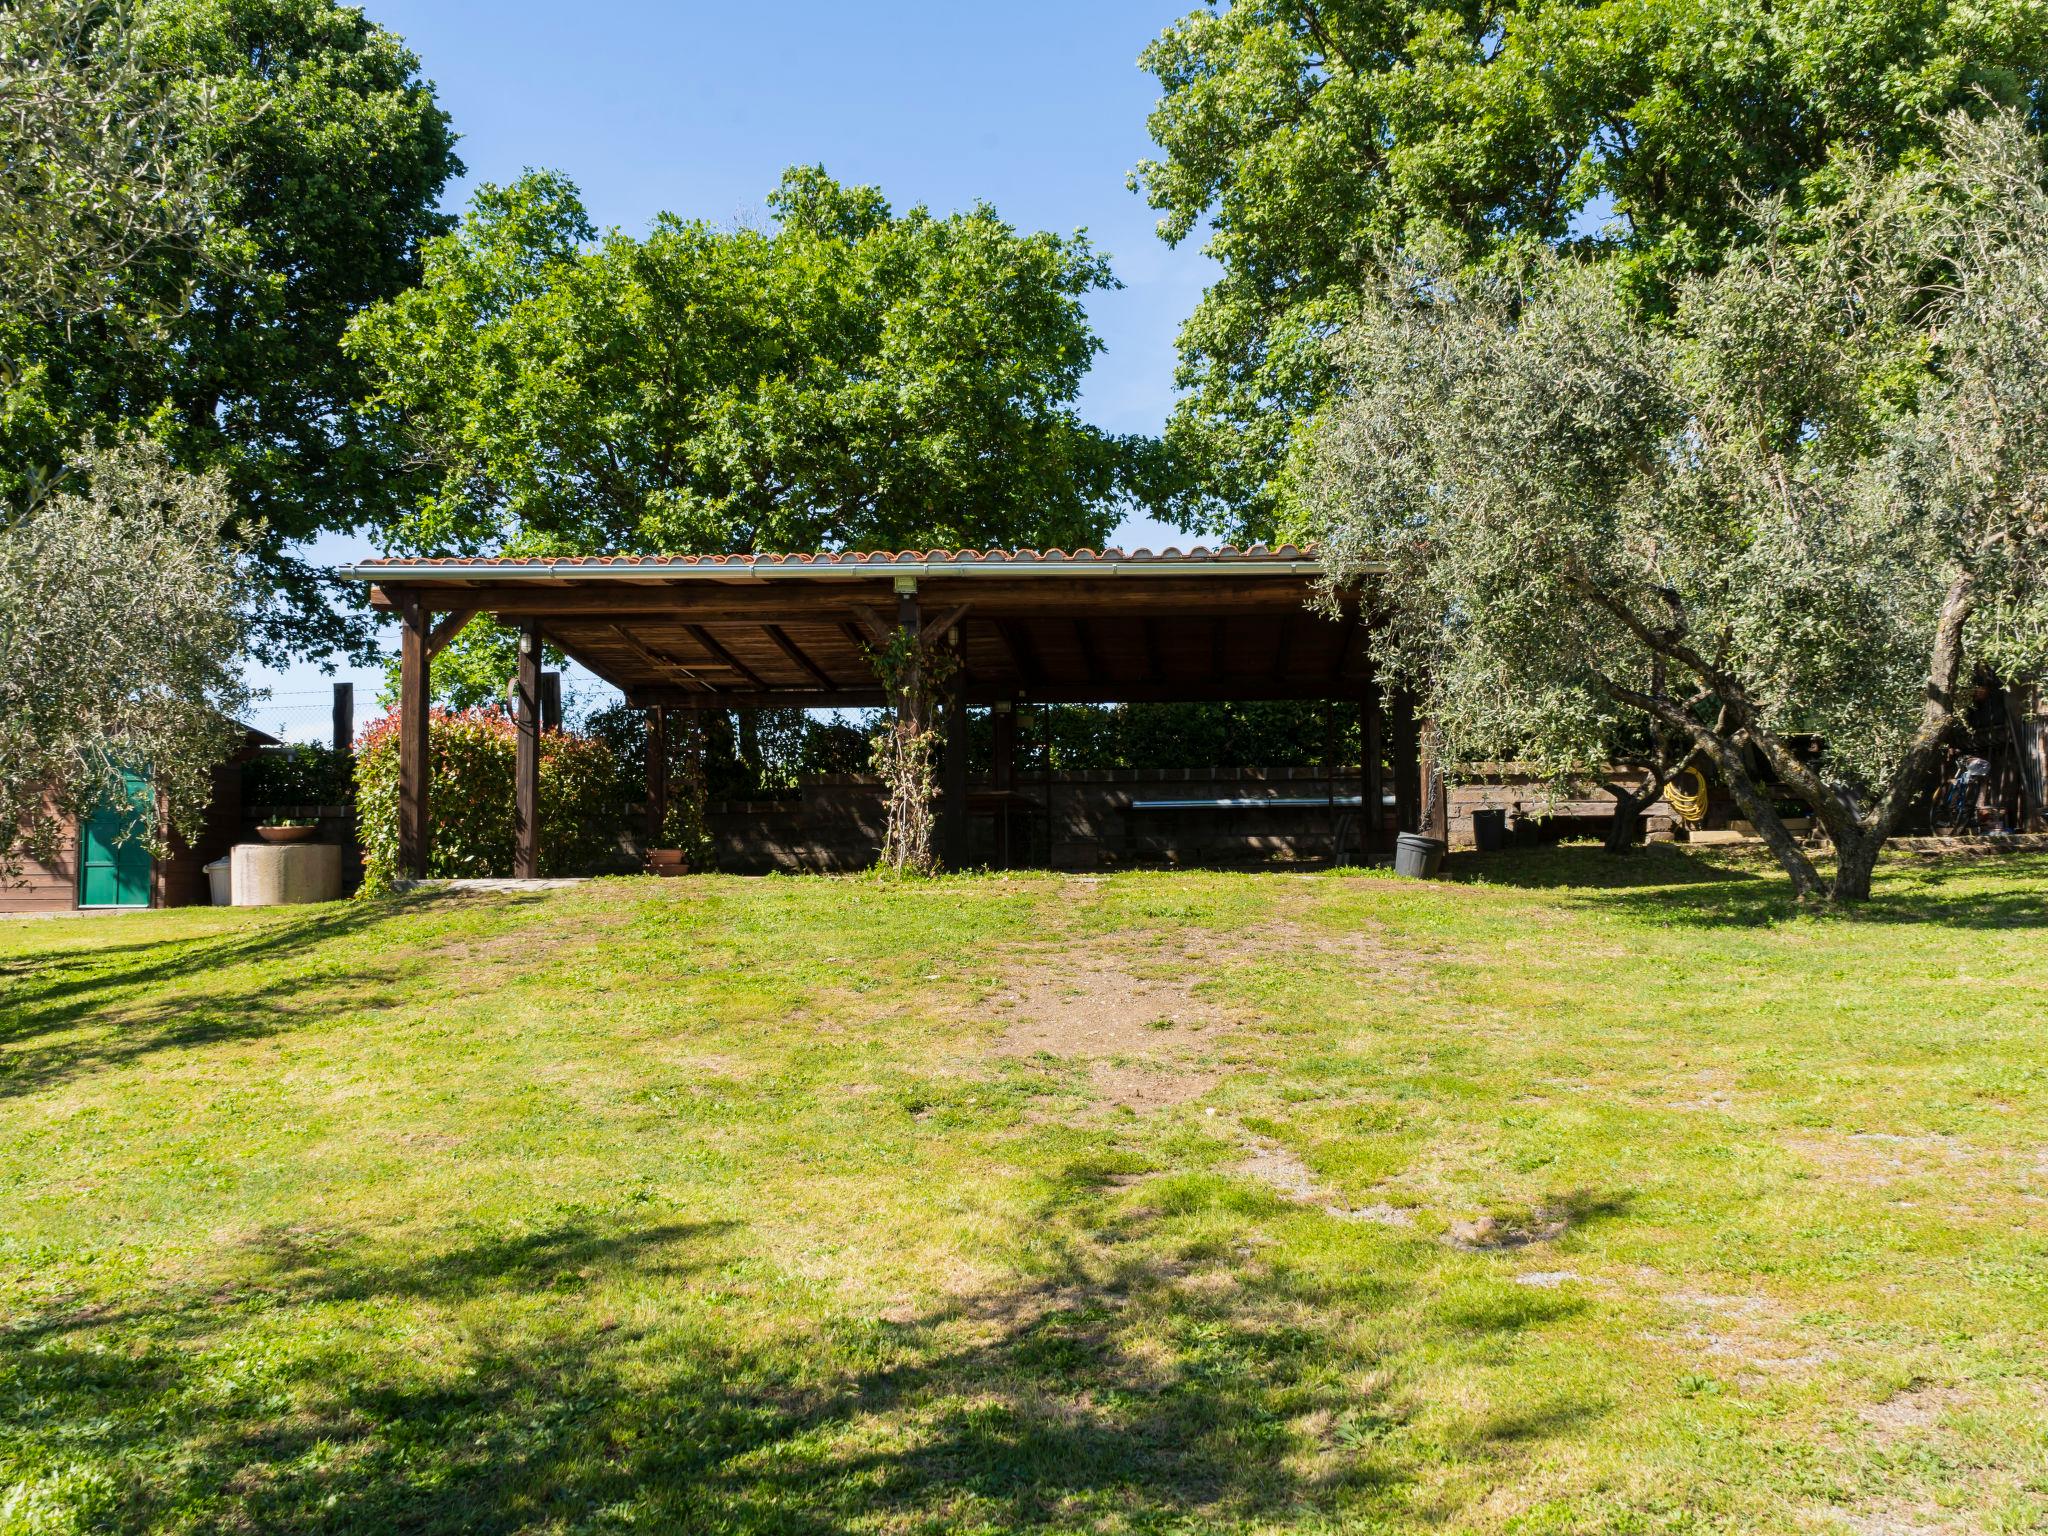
x=1018, y=640
x=795, y=653
x=657, y=657
x=1155, y=657
x=725, y=658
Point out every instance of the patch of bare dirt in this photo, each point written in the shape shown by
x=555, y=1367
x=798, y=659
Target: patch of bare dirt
x=1499, y=1234
x=1753, y=1334
x=1147, y=1035
x=1878, y=1158
x=1290, y=1178
x=1912, y=1414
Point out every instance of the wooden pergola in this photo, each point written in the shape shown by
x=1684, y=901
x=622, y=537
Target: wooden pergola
x=799, y=631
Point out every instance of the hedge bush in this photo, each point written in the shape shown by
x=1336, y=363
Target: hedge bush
x=584, y=795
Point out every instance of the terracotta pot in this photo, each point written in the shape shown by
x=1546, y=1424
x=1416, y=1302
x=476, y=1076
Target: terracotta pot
x=287, y=834
x=667, y=861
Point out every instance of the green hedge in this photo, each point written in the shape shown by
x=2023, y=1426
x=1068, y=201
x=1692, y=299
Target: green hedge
x=584, y=796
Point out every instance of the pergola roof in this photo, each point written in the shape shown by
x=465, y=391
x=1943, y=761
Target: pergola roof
x=720, y=631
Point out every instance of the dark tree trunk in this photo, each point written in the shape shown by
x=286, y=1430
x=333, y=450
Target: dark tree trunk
x=1626, y=829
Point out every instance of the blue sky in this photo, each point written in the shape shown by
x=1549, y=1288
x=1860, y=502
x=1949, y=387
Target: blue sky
x=696, y=109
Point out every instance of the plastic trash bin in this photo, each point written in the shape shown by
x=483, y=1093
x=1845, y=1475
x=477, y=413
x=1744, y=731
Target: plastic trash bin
x=1417, y=857
x=220, y=882
x=1490, y=830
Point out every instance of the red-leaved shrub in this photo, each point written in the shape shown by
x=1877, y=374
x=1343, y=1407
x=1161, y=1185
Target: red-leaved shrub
x=470, y=807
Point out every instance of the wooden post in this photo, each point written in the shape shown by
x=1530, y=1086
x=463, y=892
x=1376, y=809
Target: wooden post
x=657, y=777
x=526, y=758
x=910, y=621
x=550, y=697
x=1003, y=770
x=414, y=843
x=344, y=717
x=1436, y=806
x=953, y=784
x=1407, y=750
x=1372, y=780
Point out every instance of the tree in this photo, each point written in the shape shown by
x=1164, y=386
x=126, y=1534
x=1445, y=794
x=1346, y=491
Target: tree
x=121, y=620
x=1310, y=134
x=298, y=156
x=849, y=378
x=94, y=173
x=1778, y=516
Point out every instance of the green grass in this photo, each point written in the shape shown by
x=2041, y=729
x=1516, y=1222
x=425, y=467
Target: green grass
x=1573, y=1196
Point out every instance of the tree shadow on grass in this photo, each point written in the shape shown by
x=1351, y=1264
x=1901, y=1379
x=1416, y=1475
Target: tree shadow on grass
x=1666, y=883
x=594, y=1375
x=77, y=1008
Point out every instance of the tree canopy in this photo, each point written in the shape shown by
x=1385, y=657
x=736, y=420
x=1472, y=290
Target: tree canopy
x=847, y=377
x=315, y=156
x=1803, y=507
x=1312, y=135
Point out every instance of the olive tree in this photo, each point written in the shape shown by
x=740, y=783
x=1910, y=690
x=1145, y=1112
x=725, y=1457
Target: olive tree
x=1775, y=517
x=121, y=619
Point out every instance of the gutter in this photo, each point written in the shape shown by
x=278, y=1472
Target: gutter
x=645, y=571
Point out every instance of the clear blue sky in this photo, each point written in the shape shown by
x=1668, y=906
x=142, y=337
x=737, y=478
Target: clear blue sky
x=697, y=108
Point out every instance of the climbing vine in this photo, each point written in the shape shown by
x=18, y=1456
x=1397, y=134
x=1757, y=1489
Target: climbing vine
x=907, y=748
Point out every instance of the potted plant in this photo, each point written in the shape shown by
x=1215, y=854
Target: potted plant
x=286, y=829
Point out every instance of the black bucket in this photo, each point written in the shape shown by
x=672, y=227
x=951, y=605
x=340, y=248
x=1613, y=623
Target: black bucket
x=1417, y=857
x=1490, y=830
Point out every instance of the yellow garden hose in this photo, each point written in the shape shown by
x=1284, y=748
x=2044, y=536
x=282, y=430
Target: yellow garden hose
x=1691, y=804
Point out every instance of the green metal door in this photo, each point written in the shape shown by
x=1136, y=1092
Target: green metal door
x=113, y=868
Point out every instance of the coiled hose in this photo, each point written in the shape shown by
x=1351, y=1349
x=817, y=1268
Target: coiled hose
x=1691, y=804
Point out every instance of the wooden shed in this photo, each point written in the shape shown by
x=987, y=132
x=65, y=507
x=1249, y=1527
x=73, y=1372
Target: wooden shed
x=93, y=869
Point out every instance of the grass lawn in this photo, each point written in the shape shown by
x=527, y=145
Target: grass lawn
x=1571, y=1196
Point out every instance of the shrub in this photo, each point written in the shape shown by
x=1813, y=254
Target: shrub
x=583, y=797
x=299, y=774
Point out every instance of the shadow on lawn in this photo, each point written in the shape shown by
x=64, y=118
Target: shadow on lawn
x=546, y=1381
x=82, y=1007
x=1670, y=884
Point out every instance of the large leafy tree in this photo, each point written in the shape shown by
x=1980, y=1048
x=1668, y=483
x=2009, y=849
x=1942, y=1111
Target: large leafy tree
x=850, y=376
x=319, y=156
x=1310, y=135
x=1804, y=506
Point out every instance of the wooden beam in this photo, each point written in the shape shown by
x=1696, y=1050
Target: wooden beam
x=794, y=652
x=414, y=693
x=1406, y=750
x=983, y=691
x=705, y=638
x=1155, y=658
x=657, y=776
x=447, y=630
x=1372, y=819
x=878, y=632
x=1347, y=632
x=526, y=758
x=953, y=775
x=948, y=619
x=1219, y=649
